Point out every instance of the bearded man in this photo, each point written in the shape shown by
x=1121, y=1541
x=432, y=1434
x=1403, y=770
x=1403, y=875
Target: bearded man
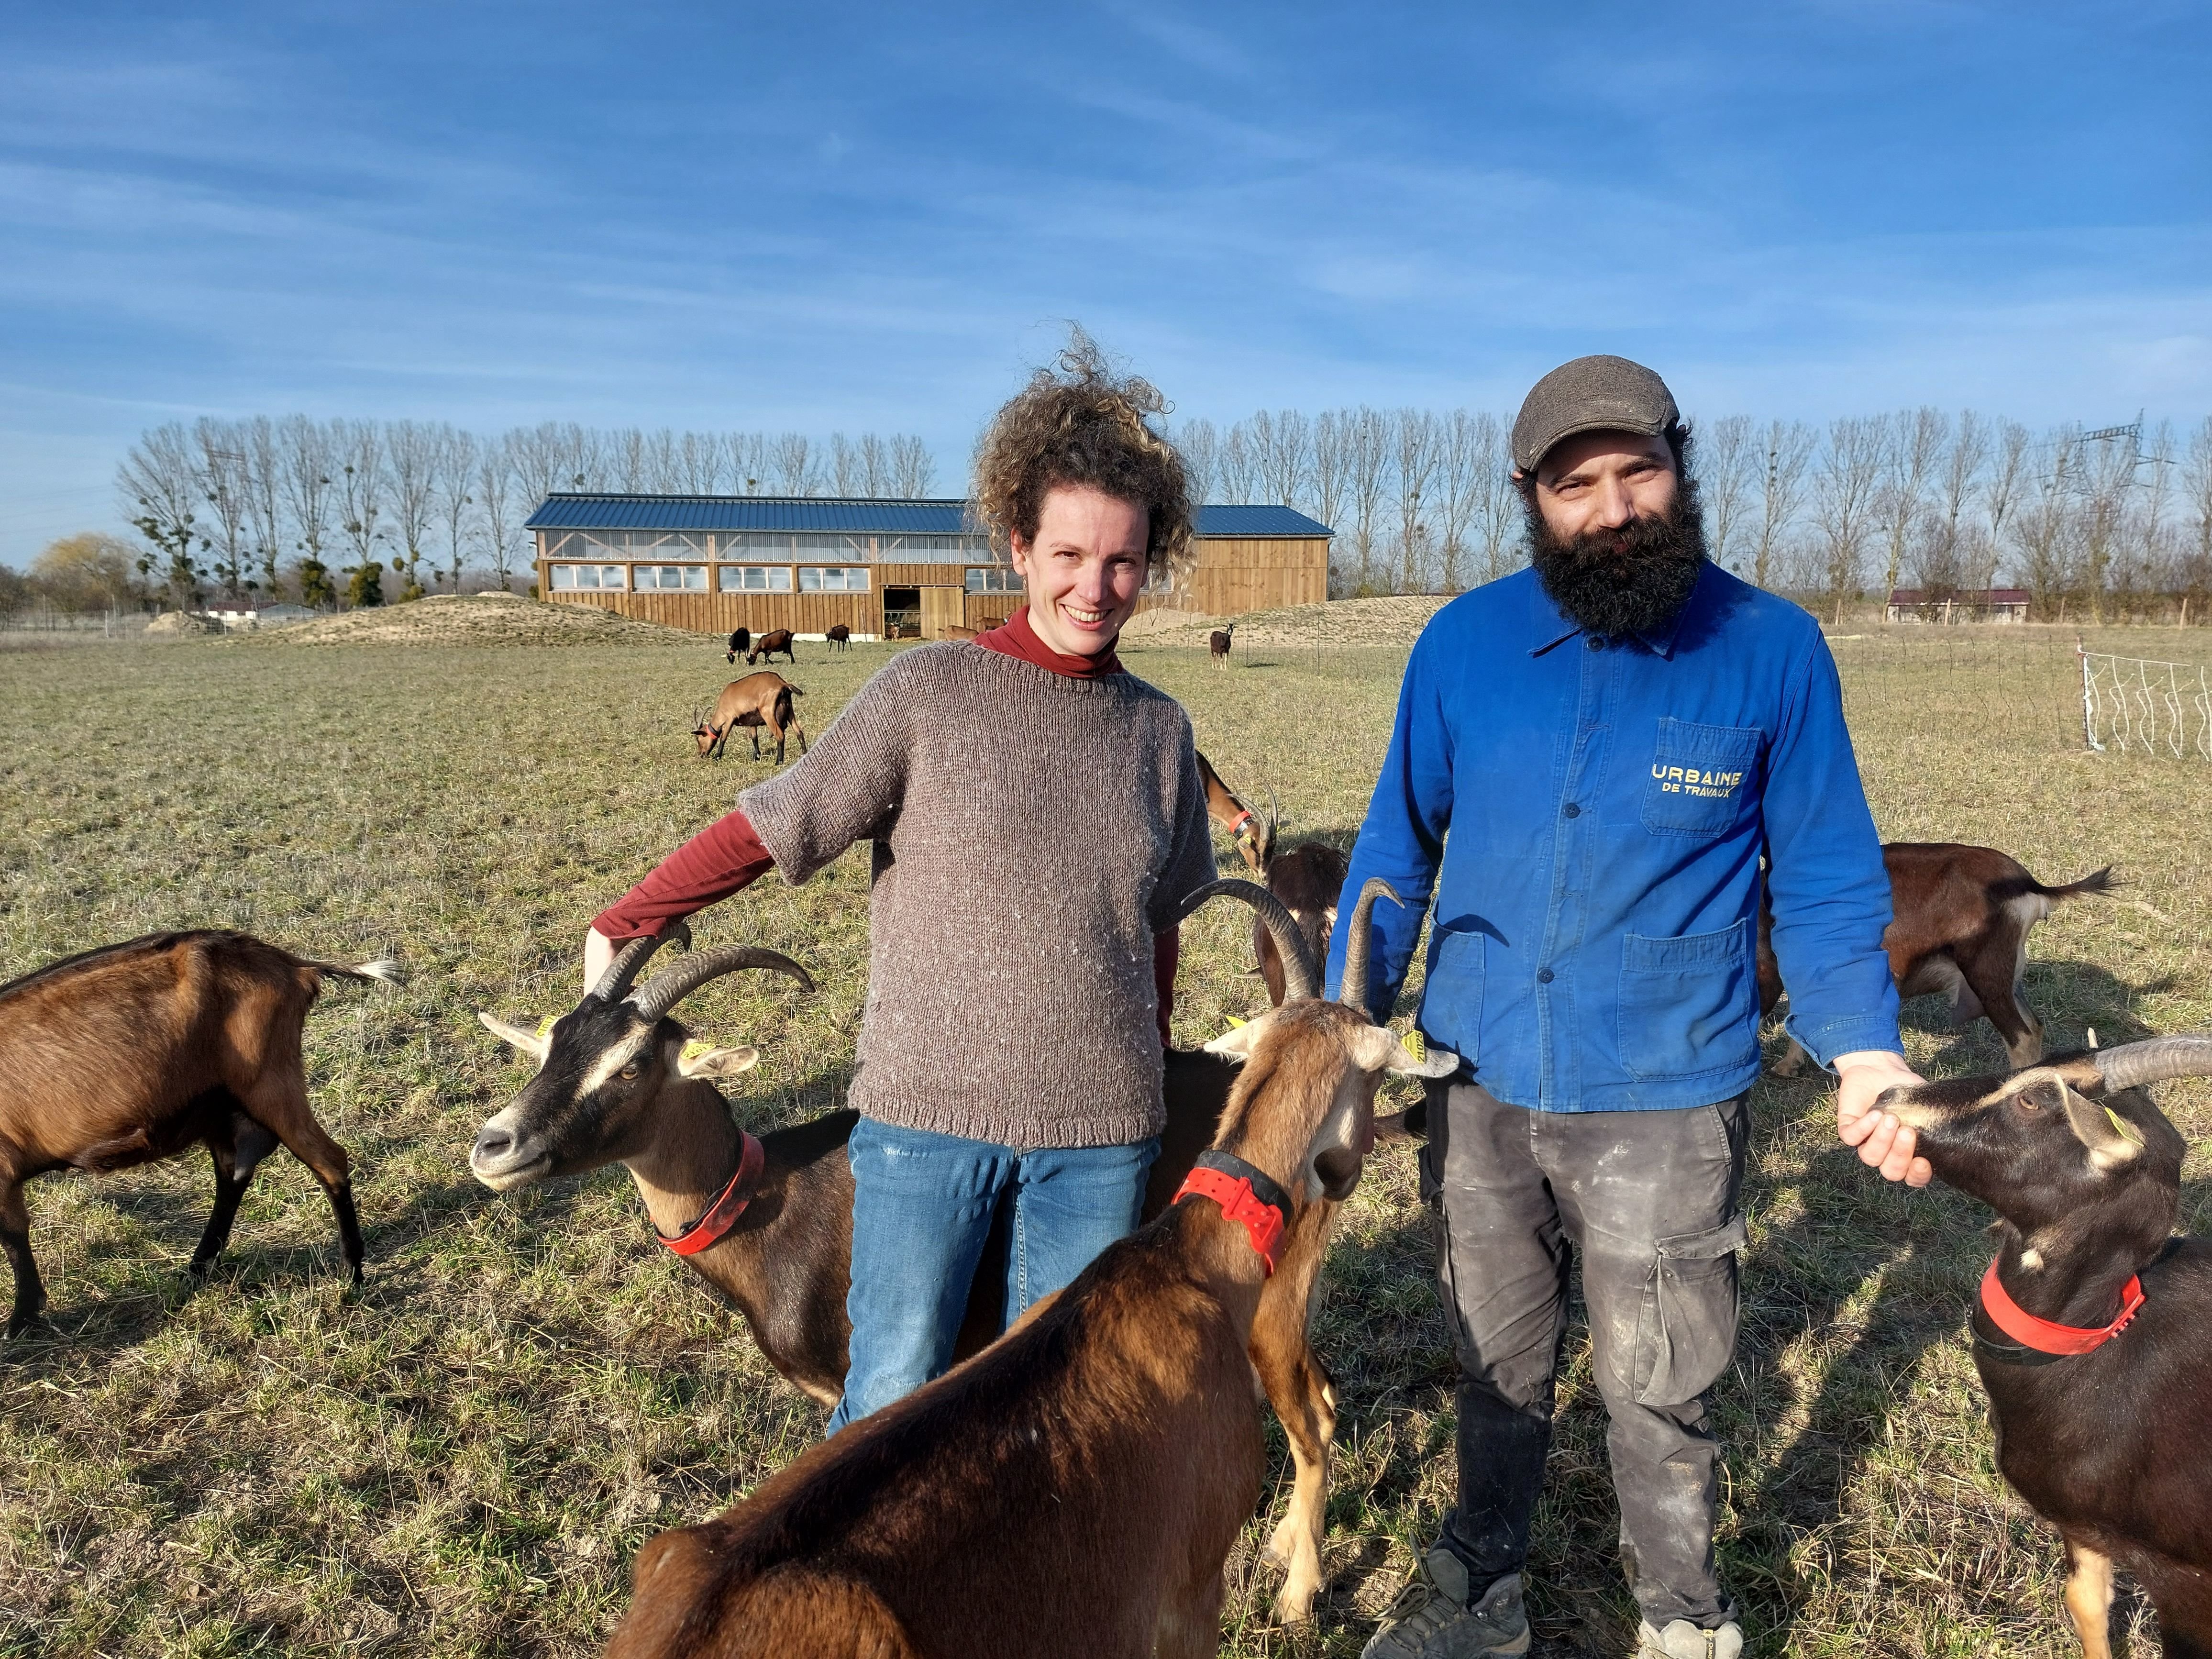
x=1589, y=759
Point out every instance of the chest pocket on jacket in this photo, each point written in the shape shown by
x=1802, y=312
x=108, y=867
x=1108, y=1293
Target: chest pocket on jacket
x=1700, y=777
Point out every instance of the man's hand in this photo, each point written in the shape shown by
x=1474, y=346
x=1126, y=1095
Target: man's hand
x=1882, y=1141
x=599, y=952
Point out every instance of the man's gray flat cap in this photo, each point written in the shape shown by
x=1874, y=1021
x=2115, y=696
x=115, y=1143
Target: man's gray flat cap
x=1590, y=394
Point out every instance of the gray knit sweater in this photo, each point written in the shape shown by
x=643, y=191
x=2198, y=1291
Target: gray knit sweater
x=1032, y=834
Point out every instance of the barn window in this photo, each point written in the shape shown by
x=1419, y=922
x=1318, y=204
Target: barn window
x=693, y=576
x=756, y=579
x=587, y=576
x=997, y=580
x=833, y=579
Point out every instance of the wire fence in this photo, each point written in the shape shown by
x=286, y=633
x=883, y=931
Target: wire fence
x=2140, y=707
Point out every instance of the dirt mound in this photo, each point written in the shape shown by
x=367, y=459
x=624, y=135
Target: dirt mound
x=477, y=619
x=1397, y=621
x=179, y=622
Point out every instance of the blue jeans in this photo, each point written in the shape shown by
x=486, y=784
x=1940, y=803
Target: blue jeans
x=923, y=1204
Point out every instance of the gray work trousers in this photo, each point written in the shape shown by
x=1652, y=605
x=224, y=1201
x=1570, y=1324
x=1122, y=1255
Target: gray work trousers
x=1650, y=1199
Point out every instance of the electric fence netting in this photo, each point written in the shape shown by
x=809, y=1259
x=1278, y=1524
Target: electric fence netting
x=2141, y=707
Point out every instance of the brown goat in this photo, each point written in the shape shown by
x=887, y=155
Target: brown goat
x=135, y=1051
x=2103, y=1411
x=1308, y=879
x=786, y=1265
x=1080, y=1481
x=758, y=700
x=769, y=644
x=1218, y=642
x=1961, y=917
x=957, y=631
x=839, y=636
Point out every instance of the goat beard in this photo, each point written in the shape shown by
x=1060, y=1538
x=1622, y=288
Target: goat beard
x=1635, y=580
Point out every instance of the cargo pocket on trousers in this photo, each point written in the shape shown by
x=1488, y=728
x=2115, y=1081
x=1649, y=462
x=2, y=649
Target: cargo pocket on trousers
x=1687, y=1330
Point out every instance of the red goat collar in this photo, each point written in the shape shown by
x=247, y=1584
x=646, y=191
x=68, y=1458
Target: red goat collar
x=2045, y=1337
x=1246, y=1195
x=1238, y=828
x=722, y=1214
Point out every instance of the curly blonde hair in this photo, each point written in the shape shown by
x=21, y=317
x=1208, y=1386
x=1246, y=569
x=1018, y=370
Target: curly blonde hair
x=1077, y=422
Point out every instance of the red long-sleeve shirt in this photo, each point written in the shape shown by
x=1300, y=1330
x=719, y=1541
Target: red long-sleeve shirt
x=728, y=855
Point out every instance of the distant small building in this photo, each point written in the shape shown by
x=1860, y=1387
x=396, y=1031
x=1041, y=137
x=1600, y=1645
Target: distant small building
x=267, y=616
x=1996, y=604
x=886, y=570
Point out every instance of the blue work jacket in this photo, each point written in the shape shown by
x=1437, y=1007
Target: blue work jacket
x=1598, y=808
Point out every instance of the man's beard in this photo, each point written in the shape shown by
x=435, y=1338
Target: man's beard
x=1632, y=580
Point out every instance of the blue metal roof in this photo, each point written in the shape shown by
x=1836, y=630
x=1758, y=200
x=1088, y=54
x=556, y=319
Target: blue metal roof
x=835, y=516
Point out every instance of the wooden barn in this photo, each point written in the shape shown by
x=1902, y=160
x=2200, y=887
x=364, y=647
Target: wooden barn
x=887, y=570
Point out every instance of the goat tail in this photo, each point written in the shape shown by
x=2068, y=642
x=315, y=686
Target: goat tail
x=794, y=691
x=2097, y=881
x=383, y=967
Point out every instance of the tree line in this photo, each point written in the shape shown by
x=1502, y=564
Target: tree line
x=268, y=508
x=2116, y=522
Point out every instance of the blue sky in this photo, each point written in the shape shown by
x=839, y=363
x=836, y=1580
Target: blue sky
x=832, y=216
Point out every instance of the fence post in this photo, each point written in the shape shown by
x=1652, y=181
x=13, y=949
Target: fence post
x=2088, y=698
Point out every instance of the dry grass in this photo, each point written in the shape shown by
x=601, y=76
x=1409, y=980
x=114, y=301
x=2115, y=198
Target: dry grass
x=446, y=619
x=464, y=1458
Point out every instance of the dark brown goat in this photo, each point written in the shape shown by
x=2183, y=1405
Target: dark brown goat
x=1308, y=879
x=1080, y=1482
x=758, y=700
x=1961, y=917
x=2111, y=1443
x=1218, y=642
x=138, y=1051
x=769, y=644
x=741, y=640
x=840, y=637
x=786, y=1265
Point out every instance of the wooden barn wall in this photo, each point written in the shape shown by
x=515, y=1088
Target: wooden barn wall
x=720, y=613
x=1235, y=574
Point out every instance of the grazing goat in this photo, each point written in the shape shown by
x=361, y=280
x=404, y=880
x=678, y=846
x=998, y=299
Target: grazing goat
x=1080, y=1481
x=612, y=1085
x=957, y=631
x=135, y=1051
x=1308, y=879
x=740, y=642
x=770, y=645
x=1218, y=642
x=758, y=700
x=1961, y=916
x=2092, y=1331
x=840, y=637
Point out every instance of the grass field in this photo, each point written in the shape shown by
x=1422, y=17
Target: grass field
x=464, y=1459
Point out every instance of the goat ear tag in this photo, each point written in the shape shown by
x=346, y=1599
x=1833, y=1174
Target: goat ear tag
x=705, y=1060
x=2128, y=1131
x=545, y=1025
x=1238, y=1041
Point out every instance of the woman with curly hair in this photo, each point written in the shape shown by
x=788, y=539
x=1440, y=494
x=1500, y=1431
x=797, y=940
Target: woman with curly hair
x=1037, y=815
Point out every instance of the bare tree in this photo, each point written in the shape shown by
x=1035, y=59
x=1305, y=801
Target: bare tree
x=2107, y=473
x=699, y=461
x=1944, y=554
x=410, y=449
x=2042, y=520
x=310, y=472
x=361, y=489
x=1413, y=463
x=2196, y=489
x=1727, y=460
x=1327, y=474
x=792, y=467
x=159, y=482
x=913, y=473
x=2149, y=570
x=1283, y=444
x=1457, y=480
x=748, y=461
x=1236, y=472
x=458, y=454
x=1846, y=498
x=1200, y=445
x=1367, y=458
x=1912, y=445
x=2009, y=474
x=264, y=486
x=1788, y=447
x=844, y=467
x=875, y=465
x=1500, y=518
x=223, y=485
x=497, y=484
x=628, y=464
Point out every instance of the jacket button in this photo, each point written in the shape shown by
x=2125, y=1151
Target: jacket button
x=1597, y=641
x=1543, y=976
x=1573, y=810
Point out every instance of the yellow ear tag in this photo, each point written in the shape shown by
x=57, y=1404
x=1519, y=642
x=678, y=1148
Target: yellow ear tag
x=1235, y=1024
x=695, y=1050
x=545, y=1025
x=1415, y=1044
x=2128, y=1131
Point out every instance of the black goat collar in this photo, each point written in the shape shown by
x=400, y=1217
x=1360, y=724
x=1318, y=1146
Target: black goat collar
x=1247, y=1195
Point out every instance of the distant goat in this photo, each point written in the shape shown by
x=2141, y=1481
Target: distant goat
x=2093, y=1330
x=1218, y=642
x=758, y=700
x=740, y=642
x=840, y=637
x=770, y=645
x=1961, y=917
x=956, y=631
x=135, y=1051
x=1308, y=879
x=1080, y=1481
x=617, y=1082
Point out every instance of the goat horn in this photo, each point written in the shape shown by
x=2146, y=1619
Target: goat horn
x=2153, y=1061
x=671, y=988
x=1353, y=991
x=1301, y=979
x=632, y=958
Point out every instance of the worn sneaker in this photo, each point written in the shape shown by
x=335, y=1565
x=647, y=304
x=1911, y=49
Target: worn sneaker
x=1683, y=1640
x=1430, y=1619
